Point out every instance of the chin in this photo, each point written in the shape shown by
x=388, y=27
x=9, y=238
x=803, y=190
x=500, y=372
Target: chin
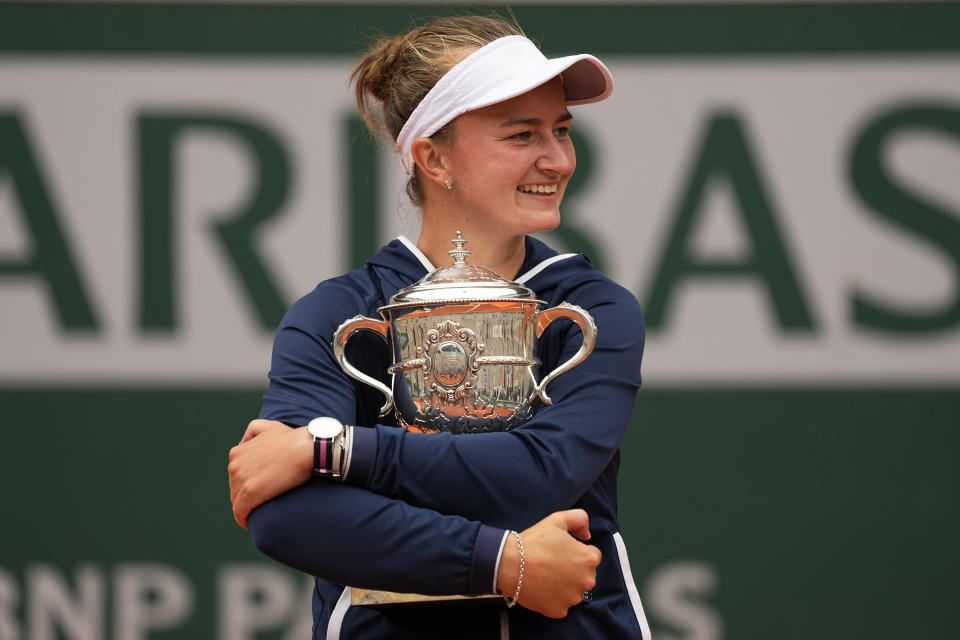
x=546, y=223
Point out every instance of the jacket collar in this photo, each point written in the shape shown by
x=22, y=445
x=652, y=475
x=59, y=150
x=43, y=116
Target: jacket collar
x=403, y=257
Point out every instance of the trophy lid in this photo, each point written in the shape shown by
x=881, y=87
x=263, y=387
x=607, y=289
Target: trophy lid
x=460, y=282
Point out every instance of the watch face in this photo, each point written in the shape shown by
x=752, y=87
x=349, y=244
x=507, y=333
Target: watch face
x=325, y=427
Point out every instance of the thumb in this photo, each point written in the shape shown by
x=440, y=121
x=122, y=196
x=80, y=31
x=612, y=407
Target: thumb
x=575, y=521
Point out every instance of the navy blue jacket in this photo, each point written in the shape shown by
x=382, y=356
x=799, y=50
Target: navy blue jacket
x=427, y=514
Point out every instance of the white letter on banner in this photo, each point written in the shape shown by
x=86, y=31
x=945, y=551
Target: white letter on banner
x=9, y=599
x=301, y=618
x=51, y=606
x=669, y=596
x=252, y=597
x=149, y=597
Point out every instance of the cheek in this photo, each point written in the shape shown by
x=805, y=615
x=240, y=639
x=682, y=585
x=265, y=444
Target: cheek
x=495, y=176
x=572, y=163
x=482, y=171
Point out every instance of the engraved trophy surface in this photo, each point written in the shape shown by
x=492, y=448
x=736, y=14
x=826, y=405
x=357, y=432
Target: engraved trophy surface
x=463, y=342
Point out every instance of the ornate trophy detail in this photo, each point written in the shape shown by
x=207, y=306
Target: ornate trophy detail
x=463, y=342
x=451, y=369
x=458, y=253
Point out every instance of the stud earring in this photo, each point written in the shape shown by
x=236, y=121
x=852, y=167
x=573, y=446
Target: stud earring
x=449, y=184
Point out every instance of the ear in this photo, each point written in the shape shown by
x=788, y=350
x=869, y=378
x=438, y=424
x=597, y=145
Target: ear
x=431, y=159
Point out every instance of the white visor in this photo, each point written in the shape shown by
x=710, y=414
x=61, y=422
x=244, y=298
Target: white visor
x=504, y=69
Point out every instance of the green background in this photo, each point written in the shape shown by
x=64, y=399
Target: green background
x=826, y=512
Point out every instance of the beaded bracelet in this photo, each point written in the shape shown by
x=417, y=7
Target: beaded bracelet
x=516, y=594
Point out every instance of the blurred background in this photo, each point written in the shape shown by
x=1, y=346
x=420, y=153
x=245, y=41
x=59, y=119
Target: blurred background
x=779, y=185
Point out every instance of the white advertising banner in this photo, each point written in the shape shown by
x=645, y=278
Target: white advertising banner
x=790, y=220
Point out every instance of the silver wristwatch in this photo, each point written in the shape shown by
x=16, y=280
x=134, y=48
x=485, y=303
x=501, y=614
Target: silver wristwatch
x=331, y=447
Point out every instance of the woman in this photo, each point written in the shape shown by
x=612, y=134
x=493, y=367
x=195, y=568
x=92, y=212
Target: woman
x=481, y=122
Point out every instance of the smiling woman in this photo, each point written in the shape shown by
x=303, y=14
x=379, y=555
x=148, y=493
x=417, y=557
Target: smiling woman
x=480, y=119
x=508, y=164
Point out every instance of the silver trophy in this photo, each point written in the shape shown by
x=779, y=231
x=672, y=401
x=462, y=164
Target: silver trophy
x=464, y=349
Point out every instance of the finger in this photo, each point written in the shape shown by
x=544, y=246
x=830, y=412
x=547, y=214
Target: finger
x=233, y=473
x=241, y=519
x=597, y=559
x=240, y=512
x=234, y=498
x=234, y=492
x=255, y=428
x=576, y=522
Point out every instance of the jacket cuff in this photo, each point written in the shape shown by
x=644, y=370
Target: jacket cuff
x=486, y=559
x=362, y=456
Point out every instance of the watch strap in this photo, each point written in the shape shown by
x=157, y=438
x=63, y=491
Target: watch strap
x=323, y=457
x=331, y=456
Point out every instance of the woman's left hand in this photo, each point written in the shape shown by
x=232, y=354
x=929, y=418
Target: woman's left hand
x=271, y=459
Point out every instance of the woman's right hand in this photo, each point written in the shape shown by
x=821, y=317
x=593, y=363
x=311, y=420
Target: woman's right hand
x=270, y=459
x=558, y=568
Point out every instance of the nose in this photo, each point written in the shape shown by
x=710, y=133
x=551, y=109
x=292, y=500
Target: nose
x=557, y=157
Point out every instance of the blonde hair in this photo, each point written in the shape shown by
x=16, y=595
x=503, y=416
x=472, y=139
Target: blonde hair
x=398, y=71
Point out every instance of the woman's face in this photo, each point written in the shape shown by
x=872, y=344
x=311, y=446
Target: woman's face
x=510, y=162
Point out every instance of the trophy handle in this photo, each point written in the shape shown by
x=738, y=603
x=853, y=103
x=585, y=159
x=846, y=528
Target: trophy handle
x=587, y=327
x=340, y=337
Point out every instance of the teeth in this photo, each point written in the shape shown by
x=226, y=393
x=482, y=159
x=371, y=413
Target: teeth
x=538, y=188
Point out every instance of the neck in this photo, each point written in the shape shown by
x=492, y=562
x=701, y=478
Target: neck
x=488, y=249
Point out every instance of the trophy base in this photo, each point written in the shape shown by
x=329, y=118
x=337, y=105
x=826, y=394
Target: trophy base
x=376, y=598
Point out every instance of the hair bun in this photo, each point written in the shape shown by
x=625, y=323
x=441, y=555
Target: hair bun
x=398, y=71
x=385, y=63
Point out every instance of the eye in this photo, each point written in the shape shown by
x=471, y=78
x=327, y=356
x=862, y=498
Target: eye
x=523, y=136
x=562, y=132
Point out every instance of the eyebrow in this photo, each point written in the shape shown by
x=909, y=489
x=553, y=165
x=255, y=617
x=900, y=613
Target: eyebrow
x=511, y=122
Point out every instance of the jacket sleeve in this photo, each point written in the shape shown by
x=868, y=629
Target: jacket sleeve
x=548, y=462
x=345, y=534
x=351, y=536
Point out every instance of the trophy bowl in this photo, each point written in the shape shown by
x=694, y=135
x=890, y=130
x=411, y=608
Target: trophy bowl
x=464, y=345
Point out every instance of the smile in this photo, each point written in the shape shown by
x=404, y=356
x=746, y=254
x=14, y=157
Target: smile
x=538, y=188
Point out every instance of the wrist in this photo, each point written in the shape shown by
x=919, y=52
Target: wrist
x=511, y=569
x=512, y=600
x=304, y=452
